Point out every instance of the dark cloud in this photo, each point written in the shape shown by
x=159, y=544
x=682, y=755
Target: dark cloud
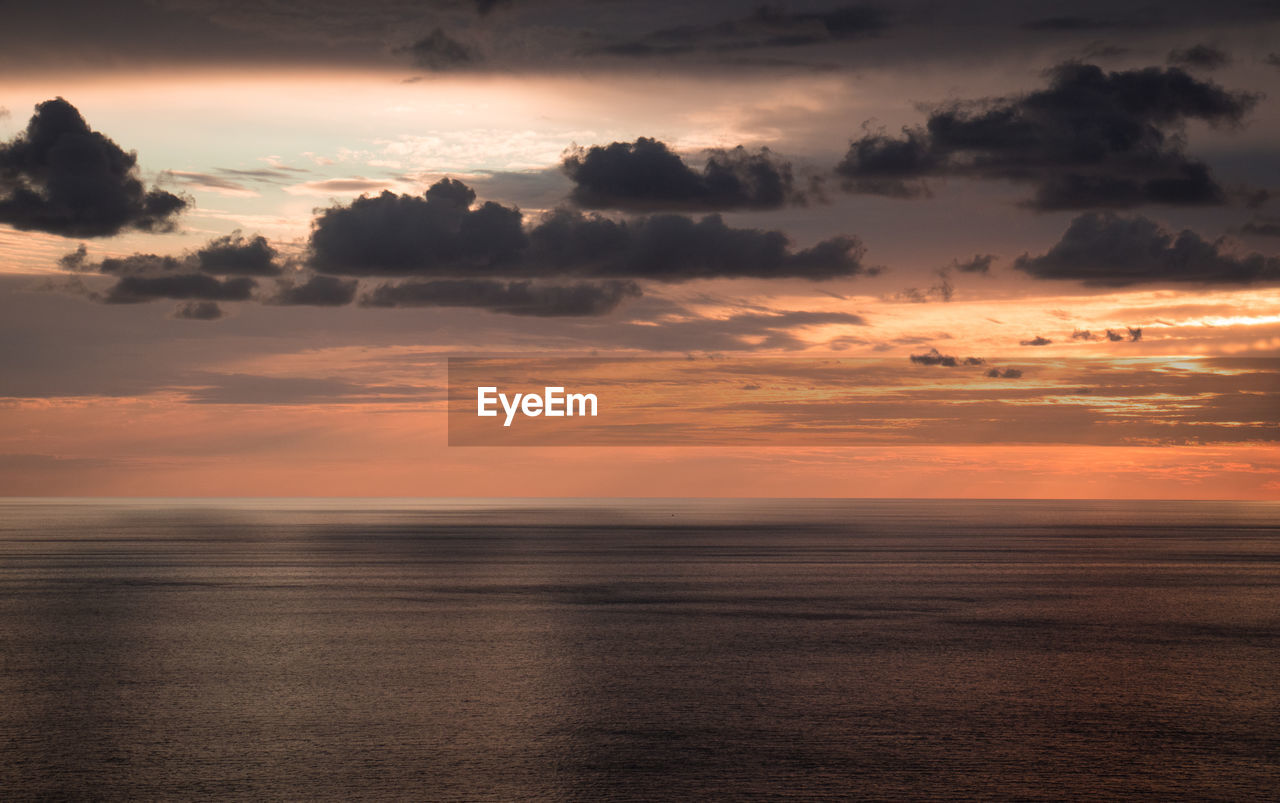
x=941, y=290
x=511, y=298
x=1006, y=373
x=234, y=255
x=1263, y=227
x=198, y=311
x=1035, y=341
x=1091, y=139
x=405, y=235
x=1083, y=334
x=980, y=263
x=766, y=27
x=195, y=286
x=1071, y=23
x=62, y=177
x=1273, y=59
x=1204, y=57
x=1134, y=334
x=317, y=291
x=935, y=357
x=440, y=235
x=675, y=248
x=647, y=175
x=1103, y=248
x=438, y=51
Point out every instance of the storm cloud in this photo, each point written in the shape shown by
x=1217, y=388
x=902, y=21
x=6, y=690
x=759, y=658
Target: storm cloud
x=648, y=175
x=1104, y=248
x=61, y=177
x=1091, y=139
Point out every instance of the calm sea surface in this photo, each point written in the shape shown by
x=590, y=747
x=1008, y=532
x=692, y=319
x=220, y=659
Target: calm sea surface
x=639, y=650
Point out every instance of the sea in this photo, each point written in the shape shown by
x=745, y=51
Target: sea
x=649, y=650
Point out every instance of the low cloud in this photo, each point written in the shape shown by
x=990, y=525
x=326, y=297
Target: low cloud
x=1091, y=139
x=196, y=286
x=1113, y=250
x=647, y=175
x=442, y=234
x=62, y=177
x=317, y=291
x=198, y=311
x=235, y=255
x=510, y=298
x=1035, y=341
x=1205, y=57
x=935, y=357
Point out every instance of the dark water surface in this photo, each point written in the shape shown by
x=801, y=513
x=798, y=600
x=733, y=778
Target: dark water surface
x=639, y=650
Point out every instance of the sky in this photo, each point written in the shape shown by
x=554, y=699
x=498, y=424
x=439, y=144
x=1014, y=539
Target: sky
x=1040, y=245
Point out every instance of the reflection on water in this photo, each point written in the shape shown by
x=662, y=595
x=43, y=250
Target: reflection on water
x=639, y=650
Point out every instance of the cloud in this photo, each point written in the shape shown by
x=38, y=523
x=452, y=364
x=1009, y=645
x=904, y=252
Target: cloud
x=675, y=248
x=329, y=187
x=1071, y=23
x=1263, y=227
x=1035, y=341
x=647, y=175
x=1006, y=373
x=404, y=235
x=980, y=263
x=1273, y=59
x=766, y=27
x=935, y=357
x=1092, y=139
x=942, y=290
x=198, y=311
x=441, y=235
x=1103, y=248
x=196, y=286
x=212, y=183
x=1202, y=56
x=317, y=291
x=1083, y=334
x=511, y=298
x=234, y=255
x=62, y=177
x=439, y=52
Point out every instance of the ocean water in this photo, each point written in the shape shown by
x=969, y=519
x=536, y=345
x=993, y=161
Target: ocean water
x=655, y=650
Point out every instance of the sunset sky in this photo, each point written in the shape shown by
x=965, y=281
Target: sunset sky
x=239, y=240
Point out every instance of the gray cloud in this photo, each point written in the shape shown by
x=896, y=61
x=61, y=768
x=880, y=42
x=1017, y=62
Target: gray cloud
x=198, y=311
x=1205, y=57
x=62, y=177
x=440, y=235
x=1035, y=341
x=647, y=175
x=438, y=51
x=1091, y=139
x=196, y=286
x=234, y=255
x=1113, y=250
x=317, y=291
x=935, y=357
x=765, y=27
x=511, y=298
